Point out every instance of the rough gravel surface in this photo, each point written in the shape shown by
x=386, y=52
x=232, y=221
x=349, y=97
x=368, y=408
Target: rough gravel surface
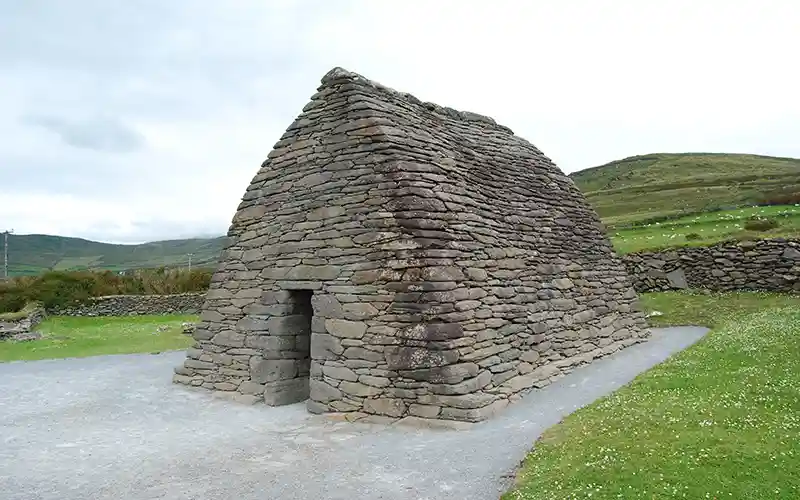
x=115, y=427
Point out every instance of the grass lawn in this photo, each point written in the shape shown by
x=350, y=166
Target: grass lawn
x=718, y=420
x=66, y=337
x=712, y=227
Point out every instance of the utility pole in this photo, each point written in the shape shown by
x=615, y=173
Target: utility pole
x=5, y=252
x=190, y=262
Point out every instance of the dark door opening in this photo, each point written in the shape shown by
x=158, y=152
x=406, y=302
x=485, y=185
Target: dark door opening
x=303, y=312
x=287, y=364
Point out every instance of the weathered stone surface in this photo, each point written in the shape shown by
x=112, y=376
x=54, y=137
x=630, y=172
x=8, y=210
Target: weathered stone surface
x=21, y=329
x=323, y=392
x=464, y=401
x=401, y=260
x=677, y=279
x=770, y=265
x=359, y=311
x=286, y=392
x=324, y=346
x=474, y=415
x=270, y=370
x=450, y=374
x=327, y=306
x=339, y=373
x=385, y=406
x=345, y=328
x=410, y=358
x=358, y=389
x=473, y=384
x=424, y=411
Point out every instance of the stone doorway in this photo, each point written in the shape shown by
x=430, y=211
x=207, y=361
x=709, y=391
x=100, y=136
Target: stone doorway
x=292, y=363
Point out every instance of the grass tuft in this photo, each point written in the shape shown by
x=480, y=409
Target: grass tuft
x=709, y=228
x=22, y=313
x=69, y=337
x=719, y=420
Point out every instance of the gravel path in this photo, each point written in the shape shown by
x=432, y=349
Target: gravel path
x=114, y=427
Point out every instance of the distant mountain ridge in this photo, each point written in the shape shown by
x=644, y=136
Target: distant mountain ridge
x=35, y=253
x=624, y=191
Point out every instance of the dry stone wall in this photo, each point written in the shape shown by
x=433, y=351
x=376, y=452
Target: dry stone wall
x=769, y=265
x=134, y=305
x=397, y=259
x=20, y=329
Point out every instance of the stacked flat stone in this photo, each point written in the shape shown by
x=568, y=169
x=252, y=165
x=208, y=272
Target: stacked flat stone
x=22, y=328
x=135, y=305
x=400, y=259
x=769, y=265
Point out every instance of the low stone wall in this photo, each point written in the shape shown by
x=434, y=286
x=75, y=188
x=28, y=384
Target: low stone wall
x=135, y=305
x=22, y=328
x=769, y=265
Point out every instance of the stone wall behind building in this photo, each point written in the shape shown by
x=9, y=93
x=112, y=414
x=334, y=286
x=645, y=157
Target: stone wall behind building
x=21, y=328
x=769, y=265
x=135, y=305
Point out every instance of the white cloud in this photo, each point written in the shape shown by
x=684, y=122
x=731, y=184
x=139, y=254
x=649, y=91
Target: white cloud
x=210, y=86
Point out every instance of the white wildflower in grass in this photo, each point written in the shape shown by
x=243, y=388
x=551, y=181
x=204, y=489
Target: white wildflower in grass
x=719, y=420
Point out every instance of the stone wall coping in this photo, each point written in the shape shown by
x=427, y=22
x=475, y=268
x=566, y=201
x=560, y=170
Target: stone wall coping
x=145, y=296
x=719, y=245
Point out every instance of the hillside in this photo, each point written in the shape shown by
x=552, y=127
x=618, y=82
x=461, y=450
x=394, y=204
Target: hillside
x=34, y=253
x=645, y=187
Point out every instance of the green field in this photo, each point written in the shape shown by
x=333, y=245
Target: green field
x=67, y=337
x=710, y=227
x=645, y=187
x=718, y=420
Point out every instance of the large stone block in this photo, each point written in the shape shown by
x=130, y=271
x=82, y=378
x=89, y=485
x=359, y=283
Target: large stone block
x=473, y=384
x=313, y=273
x=322, y=392
x=450, y=374
x=286, y=392
x=359, y=389
x=271, y=370
x=410, y=358
x=327, y=306
x=324, y=346
x=385, y=406
x=345, y=328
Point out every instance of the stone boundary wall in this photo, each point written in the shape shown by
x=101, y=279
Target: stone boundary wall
x=135, y=305
x=21, y=328
x=769, y=265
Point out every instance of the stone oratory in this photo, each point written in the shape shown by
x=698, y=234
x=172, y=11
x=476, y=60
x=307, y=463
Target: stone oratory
x=395, y=258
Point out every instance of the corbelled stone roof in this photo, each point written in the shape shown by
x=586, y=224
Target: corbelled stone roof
x=402, y=259
x=339, y=73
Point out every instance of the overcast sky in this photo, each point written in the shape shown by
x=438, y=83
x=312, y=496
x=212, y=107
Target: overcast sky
x=137, y=120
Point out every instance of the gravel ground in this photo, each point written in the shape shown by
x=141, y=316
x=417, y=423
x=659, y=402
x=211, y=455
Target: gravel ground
x=114, y=427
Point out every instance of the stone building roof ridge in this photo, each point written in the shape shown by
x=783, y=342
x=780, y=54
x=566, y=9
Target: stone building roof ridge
x=338, y=73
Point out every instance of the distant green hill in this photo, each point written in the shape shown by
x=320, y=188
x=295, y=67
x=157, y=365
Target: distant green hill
x=34, y=253
x=625, y=191
x=649, y=186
